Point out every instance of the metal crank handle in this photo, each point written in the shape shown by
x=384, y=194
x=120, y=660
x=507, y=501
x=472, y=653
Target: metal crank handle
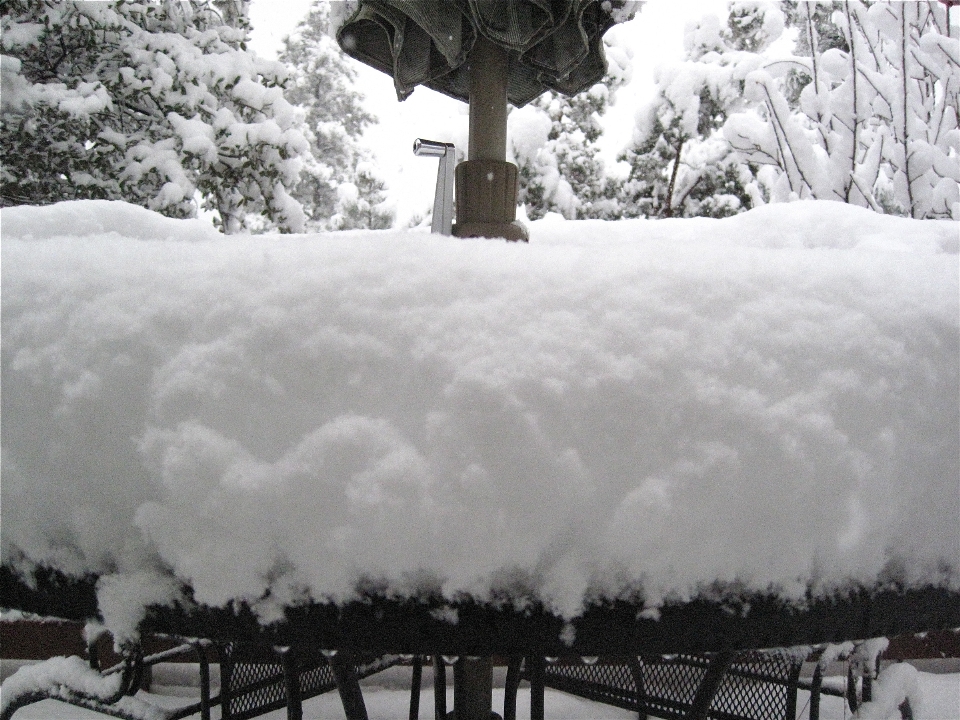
x=443, y=197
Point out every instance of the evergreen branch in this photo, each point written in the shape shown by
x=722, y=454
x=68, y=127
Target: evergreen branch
x=686, y=193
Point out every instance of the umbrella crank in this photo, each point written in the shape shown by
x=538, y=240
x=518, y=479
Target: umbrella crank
x=443, y=196
x=486, y=183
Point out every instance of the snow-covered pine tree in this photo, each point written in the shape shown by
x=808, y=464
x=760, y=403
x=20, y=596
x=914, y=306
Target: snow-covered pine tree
x=339, y=188
x=152, y=103
x=361, y=203
x=813, y=23
x=680, y=163
x=876, y=123
x=554, y=144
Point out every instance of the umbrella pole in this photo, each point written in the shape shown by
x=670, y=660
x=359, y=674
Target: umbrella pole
x=489, y=65
x=486, y=182
x=473, y=689
x=486, y=207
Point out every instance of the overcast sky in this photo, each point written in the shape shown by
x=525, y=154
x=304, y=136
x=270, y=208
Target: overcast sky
x=655, y=35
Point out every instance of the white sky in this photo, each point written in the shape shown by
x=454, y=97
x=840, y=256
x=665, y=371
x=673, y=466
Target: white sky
x=655, y=35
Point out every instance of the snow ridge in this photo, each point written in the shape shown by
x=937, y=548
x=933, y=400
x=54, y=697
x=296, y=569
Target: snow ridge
x=615, y=408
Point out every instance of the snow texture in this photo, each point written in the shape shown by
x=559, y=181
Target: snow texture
x=769, y=399
x=895, y=685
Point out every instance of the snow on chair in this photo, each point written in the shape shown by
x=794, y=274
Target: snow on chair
x=79, y=683
x=254, y=679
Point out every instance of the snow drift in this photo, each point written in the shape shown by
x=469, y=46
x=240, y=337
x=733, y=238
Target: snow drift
x=770, y=399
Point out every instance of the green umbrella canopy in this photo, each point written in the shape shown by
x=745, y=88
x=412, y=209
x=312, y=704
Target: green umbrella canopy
x=552, y=44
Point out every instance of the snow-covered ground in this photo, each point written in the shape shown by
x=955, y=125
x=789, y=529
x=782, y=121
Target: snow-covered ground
x=769, y=399
x=940, y=694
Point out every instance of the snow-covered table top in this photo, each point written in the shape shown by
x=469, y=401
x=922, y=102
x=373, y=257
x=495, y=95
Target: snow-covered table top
x=636, y=410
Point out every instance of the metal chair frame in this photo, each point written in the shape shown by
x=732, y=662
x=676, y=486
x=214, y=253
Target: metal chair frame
x=715, y=686
x=132, y=668
x=264, y=679
x=257, y=678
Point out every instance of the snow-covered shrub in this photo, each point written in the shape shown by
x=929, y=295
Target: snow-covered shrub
x=152, y=103
x=875, y=123
x=362, y=203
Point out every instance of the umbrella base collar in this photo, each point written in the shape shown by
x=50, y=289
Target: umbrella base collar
x=514, y=231
x=487, y=200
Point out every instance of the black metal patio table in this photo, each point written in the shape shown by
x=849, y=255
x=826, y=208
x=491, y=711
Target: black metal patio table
x=717, y=648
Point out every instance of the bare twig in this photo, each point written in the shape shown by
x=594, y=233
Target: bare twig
x=856, y=121
x=668, y=210
x=906, y=105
